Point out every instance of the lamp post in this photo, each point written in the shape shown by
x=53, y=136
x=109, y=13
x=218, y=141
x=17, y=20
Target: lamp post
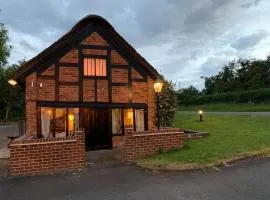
x=200, y=112
x=158, y=87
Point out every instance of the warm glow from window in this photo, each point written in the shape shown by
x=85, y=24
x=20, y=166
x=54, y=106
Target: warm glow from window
x=94, y=67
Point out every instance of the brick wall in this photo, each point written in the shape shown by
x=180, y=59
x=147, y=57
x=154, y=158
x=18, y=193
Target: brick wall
x=117, y=59
x=47, y=91
x=119, y=75
x=139, y=92
x=151, y=104
x=68, y=74
x=140, y=144
x=35, y=156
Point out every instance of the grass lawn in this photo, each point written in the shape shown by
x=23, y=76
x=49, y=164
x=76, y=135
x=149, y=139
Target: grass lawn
x=230, y=137
x=228, y=107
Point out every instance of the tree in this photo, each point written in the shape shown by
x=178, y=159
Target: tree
x=188, y=96
x=167, y=104
x=11, y=97
x=4, y=47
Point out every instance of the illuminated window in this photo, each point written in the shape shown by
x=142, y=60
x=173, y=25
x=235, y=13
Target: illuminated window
x=94, y=67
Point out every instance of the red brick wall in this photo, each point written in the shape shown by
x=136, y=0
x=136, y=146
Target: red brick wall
x=94, y=39
x=140, y=144
x=68, y=74
x=30, y=104
x=151, y=104
x=68, y=93
x=70, y=57
x=117, y=59
x=47, y=91
x=102, y=90
x=49, y=71
x=30, y=157
x=94, y=52
x=89, y=90
x=139, y=92
x=135, y=74
x=119, y=75
x=120, y=94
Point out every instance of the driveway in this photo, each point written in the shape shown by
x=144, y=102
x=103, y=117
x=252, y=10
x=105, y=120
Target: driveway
x=11, y=129
x=250, y=180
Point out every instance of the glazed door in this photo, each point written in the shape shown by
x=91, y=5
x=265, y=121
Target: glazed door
x=96, y=122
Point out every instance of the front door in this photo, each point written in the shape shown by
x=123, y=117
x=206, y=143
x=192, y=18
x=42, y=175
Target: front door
x=96, y=121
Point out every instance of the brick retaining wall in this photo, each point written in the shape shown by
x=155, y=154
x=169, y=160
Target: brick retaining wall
x=140, y=144
x=35, y=156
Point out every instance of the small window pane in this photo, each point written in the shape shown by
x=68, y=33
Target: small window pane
x=128, y=118
x=46, y=122
x=139, y=119
x=60, y=122
x=73, y=120
x=94, y=67
x=117, y=121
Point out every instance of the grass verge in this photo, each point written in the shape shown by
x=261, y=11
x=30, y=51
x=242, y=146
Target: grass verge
x=231, y=138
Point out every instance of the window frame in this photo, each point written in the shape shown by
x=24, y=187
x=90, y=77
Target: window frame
x=134, y=120
x=66, y=111
x=95, y=58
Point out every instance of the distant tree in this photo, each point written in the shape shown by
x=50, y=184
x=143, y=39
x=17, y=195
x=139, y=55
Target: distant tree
x=11, y=97
x=187, y=96
x=240, y=75
x=4, y=47
x=168, y=104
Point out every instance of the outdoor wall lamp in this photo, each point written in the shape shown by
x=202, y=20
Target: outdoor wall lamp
x=158, y=87
x=200, y=112
x=12, y=82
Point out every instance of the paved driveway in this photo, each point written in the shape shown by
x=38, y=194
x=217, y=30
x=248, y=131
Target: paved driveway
x=248, y=181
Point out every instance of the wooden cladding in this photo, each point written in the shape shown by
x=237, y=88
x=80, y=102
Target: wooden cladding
x=94, y=67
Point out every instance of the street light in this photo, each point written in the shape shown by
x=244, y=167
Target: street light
x=200, y=112
x=12, y=82
x=158, y=87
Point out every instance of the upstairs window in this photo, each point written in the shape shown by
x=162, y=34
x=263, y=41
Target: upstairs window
x=94, y=67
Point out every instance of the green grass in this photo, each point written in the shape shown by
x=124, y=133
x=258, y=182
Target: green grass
x=228, y=107
x=230, y=136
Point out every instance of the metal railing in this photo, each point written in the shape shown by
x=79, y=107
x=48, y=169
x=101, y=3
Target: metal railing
x=22, y=127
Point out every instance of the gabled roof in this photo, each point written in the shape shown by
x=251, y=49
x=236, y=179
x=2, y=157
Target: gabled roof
x=87, y=21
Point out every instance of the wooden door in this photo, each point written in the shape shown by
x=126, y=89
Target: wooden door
x=96, y=123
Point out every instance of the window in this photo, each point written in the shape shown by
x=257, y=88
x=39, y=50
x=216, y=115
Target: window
x=123, y=119
x=46, y=122
x=139, y=118
x=59, y=122
x=94, y=67
x=117, y=121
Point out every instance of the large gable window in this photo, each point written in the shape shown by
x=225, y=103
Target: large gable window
x=94, y=67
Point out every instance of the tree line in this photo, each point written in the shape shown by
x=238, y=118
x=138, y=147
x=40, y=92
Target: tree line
x=11, y=97
x=239, y=81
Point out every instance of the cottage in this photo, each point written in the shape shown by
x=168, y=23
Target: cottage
x=90, y=78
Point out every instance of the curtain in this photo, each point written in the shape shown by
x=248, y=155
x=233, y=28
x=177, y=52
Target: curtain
x=46, y=116
x=116, y=121
x=139, y=119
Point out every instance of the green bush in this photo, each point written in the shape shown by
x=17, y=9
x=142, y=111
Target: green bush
x=250, y=96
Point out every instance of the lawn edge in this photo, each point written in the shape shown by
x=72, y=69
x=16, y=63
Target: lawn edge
x=177, y=166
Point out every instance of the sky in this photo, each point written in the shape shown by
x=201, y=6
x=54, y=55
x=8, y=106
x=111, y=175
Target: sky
x=182, y=39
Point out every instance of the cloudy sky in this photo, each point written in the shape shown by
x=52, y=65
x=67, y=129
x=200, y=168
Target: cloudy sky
x=183, y=39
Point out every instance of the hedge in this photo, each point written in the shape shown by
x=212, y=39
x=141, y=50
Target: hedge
x=250, y=96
